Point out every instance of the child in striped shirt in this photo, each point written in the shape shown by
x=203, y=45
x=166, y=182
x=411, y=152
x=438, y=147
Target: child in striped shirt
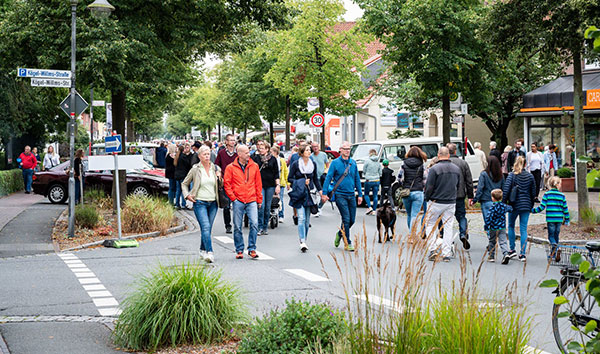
x=557, y=213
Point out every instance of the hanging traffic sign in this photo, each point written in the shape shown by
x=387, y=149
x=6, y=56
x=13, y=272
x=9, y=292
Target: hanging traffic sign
x=51, y=82
x=112, y=144
x=44, y=73
x=317, y=120
x=80, y=105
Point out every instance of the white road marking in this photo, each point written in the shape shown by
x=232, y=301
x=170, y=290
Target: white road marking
x=106, y=304
x=224, y=239
x=263, y=256
x=376, y=300
x=307, y=275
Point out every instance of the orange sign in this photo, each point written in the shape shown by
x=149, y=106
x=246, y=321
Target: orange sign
x=593, y=99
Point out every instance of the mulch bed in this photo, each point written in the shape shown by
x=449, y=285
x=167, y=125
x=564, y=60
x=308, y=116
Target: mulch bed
x=221, y=348
x=572, y=231
x=107, y=229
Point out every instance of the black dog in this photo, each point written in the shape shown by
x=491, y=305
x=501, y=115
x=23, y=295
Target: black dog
x=386, y=218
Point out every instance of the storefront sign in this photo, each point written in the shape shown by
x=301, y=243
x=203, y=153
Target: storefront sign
x=593, y=99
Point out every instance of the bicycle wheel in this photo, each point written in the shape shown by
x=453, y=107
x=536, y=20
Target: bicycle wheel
x=582, y=307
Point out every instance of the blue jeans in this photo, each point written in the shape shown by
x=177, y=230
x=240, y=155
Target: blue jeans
x=78, y=189
x=27, y=178
x=485, y=212
x=553, y=232
x=281, y=203
x=523, y=219
x=371, y=186
x=413, y=204
x=179, y=199
x=205, y=214
x=347, y=208
x=172, y=190
x=460, y=213
x=303, y=222
x=265, y=209
x=239, y=209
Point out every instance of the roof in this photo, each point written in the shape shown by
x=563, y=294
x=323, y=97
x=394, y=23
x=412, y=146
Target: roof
x=557, y=95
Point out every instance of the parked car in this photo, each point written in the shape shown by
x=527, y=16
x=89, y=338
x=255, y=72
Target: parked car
x=332, y=154
x=54, y=182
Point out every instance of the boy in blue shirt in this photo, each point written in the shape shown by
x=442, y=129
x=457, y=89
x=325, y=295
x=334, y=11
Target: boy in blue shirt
x=496, y=224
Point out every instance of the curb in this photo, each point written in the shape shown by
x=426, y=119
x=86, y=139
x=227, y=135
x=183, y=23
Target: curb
x=543, y=241
x=3, y=346
x=172, y=230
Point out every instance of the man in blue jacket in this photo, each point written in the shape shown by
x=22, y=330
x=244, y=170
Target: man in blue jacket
x=343, y=173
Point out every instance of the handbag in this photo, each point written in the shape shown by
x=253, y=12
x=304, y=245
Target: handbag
x=514, y=191
x=223, y=199
x=405, y=192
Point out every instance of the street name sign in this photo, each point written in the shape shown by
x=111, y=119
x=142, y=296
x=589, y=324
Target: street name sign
x=96, y=103
x=44, y=73
x=458, y=119
x=112, y=144
x=317, y=120
x=51, y=82
x=80, y=104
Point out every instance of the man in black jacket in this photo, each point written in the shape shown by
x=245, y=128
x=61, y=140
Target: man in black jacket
x=494, y=151
x=512, y=156
x=465, y=189
x=440, y=191
x=386, y=181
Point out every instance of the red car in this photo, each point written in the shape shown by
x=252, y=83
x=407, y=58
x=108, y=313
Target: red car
x=54, y=183
x=332, y=154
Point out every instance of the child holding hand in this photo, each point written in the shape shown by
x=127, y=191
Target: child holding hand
x=557, y=213
x=495, y=223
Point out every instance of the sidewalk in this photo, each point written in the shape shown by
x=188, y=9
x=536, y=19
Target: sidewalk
x=572, y=200
x=26, y=222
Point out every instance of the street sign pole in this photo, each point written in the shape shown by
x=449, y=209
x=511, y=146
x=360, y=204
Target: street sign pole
x=117, y=193
x=91, y=118
x=72, y=126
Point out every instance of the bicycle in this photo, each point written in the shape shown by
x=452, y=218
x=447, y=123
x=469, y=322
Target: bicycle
x=581, y=306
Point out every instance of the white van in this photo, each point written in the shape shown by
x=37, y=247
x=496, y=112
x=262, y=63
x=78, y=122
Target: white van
x=394, y=151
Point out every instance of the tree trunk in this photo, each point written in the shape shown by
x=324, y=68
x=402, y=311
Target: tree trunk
x=271, y=137
x=219, y=135
x=446, y=118
x=582, y=192
x=118, y=106
x=322, y=111
x=287, y=123
x=130, y=130
x=245, y=133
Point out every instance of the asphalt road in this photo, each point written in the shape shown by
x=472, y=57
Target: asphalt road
x=78, y=292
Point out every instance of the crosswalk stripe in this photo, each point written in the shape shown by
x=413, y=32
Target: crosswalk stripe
x=306, y=275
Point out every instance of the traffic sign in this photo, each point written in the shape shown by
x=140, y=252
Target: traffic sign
x=112, y=143
x=98, y=103
x=44, y=73
x=317, y=120
x=51, y=82
x=80, y=104
x=458, y=119
x=464, y=108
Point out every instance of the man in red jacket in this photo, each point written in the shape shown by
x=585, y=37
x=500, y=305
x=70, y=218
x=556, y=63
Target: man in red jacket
x=243, y=186
x=28, y=163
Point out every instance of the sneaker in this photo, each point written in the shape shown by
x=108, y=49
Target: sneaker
x=202, y=254
x=295, y=220
x=369, y=211
x=264, y=232
x=281, y=220
x=253, y=254
x=505, y=259
x=523, y=258
x=318, y=214
x=228, y=229
x=259, y=233
x=209, y=257
x=239, y=255
x=491, y=259
x=446, y=259
x=303, y=247
x=338, y=238
x=512, y=254
x=432, y=255
x=465, y=242
x=27, y=192
x=349, y=248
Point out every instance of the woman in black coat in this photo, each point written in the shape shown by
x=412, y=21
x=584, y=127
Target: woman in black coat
x=183, y=164
x=305, y=182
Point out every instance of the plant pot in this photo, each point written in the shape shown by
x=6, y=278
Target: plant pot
x=567, y=184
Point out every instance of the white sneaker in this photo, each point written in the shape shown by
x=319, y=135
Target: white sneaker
x=318, y=214
x=202, y=254
x=209, y=257
x=369, y=211
x=281, y=220
x=303, y=247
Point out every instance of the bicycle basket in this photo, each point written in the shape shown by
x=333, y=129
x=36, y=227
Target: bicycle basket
x=562, y=255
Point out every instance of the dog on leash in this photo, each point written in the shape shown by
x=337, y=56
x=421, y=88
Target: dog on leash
x=386, y=219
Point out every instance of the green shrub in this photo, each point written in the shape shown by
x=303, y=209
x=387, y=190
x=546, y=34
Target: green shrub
x=11, y=181
x=146, y=214
x=86, y=216
x=98, y=197
x=564, y=172
x=298, y=328
x=186, y=304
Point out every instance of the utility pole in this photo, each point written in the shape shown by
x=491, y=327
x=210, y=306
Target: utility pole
x=72, y=123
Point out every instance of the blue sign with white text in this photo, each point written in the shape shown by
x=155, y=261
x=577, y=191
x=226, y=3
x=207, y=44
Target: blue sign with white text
x=112, y=144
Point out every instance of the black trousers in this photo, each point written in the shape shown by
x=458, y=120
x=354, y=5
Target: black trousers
x=537, y=176
x=227, y=214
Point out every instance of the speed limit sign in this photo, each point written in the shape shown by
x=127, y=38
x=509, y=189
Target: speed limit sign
x=317, y=120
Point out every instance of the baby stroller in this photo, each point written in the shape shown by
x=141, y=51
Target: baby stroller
x=274, y=212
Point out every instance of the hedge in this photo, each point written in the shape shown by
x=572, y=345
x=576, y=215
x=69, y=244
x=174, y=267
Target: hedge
x=11, y=181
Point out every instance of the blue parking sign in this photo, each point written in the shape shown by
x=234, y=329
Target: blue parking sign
x=112, y=144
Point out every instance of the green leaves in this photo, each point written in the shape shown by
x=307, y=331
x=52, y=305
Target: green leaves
x=549, y=283
x=576, y=259
x=592, y=32
x=559, y=300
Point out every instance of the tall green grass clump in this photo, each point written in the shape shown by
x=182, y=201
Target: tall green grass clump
x=11, y=181
x=146, y=214
x=590, y=219
x=86, y=216
x=185, y=304
x=298, y=328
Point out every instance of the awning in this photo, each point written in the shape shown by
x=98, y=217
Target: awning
x=557, y=95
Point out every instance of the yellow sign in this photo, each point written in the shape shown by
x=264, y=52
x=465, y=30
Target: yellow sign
x=593, y=99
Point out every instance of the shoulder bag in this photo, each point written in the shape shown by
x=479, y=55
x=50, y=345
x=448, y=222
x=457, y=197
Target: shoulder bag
x=514, y=191
x=222, y=197
x=405, y=192
x=337, y=184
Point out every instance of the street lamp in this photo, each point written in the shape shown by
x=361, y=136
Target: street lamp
x=99, y=8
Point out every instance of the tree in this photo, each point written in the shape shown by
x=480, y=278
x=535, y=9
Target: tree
x=315, y=60
x=433, y=43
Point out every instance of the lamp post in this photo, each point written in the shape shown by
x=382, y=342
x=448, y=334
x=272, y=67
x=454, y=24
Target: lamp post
x=99, y=8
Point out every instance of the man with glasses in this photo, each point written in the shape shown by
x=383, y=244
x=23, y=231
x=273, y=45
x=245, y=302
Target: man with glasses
x=224, y=158
x=343, y=174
